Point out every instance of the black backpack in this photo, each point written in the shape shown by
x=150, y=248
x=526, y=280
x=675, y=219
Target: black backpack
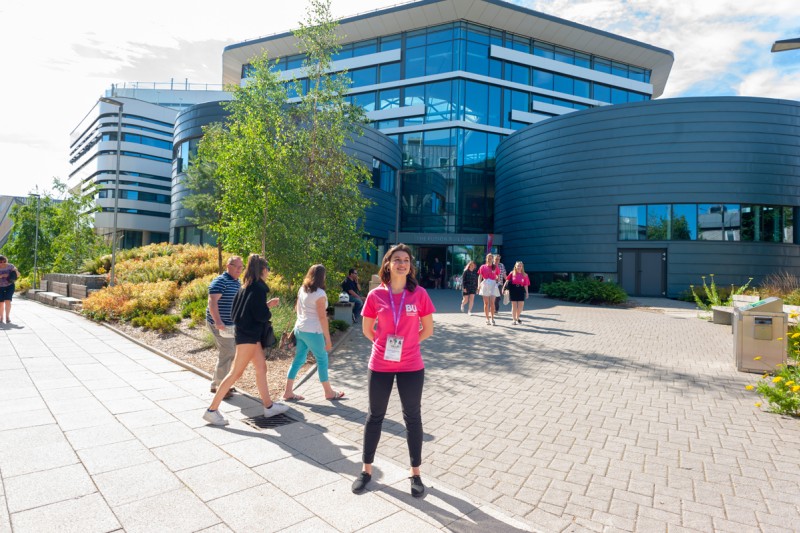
x=12, y=276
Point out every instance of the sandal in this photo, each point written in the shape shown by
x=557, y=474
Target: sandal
x=339, y=395
x=294, y=398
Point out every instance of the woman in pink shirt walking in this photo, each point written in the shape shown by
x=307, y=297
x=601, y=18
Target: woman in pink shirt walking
x=404, y=315
x=487, y=287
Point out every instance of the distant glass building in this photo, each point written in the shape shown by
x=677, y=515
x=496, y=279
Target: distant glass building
x=448, y=80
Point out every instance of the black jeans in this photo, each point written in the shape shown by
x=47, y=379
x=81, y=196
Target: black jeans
x=409, y=387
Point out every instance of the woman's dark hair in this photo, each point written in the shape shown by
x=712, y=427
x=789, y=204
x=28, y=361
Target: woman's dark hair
x=255, y=266
x=3, y=259
x=386, y=274
x=315, y=278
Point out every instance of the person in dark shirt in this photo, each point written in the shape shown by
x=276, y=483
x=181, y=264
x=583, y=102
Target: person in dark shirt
x=8, y=275
x=350, y=286
x=251, y=314
x=221, y=293
x=438, y=273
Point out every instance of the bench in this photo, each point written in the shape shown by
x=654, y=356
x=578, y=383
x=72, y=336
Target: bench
x=59, y=288
x=723, y=314
x=79, y=291
x=66, y=302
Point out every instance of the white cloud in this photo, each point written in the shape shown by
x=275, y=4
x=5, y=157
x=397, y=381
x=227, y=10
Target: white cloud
x=58, y=63
x=717, y=44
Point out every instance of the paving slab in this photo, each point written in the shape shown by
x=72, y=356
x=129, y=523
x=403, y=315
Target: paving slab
x=582, y=418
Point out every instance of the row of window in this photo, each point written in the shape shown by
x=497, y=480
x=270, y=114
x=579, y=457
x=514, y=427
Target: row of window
x=147, y=119
x=449, y=147
x=137, y=155
x=473, y=39
x=142, y=196
x=383, y=175
x=706, y=222
x=134, y=184
x=139, y=139
x=135, y=127
x=144, y=212
x=456, y=100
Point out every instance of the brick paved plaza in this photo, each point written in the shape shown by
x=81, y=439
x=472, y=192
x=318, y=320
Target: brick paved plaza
x=580, y=419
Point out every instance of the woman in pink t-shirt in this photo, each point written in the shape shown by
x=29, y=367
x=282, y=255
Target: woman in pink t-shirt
x=403, y=312
x=487, y=287
x=517, y=285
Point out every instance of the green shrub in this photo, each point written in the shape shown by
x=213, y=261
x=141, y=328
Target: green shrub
x=714, y=296
x=340, y=325
x=157, y=322
x=585, y=291
x=793, y=298
x=22, y=285
x=780, y=387
x=194, y=310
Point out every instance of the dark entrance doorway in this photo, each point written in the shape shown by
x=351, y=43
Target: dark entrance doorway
x=643, y=272
x=427, y=266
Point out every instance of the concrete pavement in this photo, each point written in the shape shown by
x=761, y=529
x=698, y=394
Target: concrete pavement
x=100, y=434
x=581, y=419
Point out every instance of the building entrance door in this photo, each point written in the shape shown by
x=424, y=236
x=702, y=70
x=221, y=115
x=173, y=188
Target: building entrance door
x=642, y=272
x=428, y=269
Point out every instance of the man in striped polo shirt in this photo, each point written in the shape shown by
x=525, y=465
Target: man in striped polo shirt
x=218, y=315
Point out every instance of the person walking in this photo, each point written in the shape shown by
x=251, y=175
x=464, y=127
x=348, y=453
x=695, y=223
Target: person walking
x=251, y=314
x=8, y=278
x=221, y=292
x=312, y=333
x=438, y=273
x=399, y=306
x=517, y=285
x=350, y=286
x=487, y=287
x=469, y=286
x=501, y=279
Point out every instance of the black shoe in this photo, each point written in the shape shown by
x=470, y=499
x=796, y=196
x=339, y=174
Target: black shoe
x=417, y=488
x=360, y=483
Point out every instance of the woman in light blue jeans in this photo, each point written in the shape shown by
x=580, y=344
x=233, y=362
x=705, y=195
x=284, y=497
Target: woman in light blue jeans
x=311, y=332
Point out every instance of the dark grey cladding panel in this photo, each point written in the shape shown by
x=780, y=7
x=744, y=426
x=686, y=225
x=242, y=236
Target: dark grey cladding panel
x=189, y=123
x=559, y=182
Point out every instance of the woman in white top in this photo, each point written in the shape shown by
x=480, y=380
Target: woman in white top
x=311, y=332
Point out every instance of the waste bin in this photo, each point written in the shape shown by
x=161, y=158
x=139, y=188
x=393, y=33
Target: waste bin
x=343, y=311
x=759, y=330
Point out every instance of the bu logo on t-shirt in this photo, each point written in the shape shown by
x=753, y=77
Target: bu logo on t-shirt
x=411, y=309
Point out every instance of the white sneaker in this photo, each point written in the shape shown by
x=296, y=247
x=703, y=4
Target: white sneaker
x=469, y=313
x=275, y=409
x=214, y=418
x=462, y=308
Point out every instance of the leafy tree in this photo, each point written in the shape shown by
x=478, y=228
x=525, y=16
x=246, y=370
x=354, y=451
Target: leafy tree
x=74, y=238
x=284, y=183
x=21, y=245
x=66, y=237
x=202, y=180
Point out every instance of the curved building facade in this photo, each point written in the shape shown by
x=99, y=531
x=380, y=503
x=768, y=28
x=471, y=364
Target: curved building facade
x=655, y=194
x=380, y=154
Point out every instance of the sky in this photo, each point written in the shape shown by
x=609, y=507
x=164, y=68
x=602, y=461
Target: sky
x=59, y=62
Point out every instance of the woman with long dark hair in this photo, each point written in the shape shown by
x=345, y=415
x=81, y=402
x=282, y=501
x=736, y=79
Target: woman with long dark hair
x=487, y=287
x=469, y=286
x=252, y=316
x=311, y=332
x=404, y=315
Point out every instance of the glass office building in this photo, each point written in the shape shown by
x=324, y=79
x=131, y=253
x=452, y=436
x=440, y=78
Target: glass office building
x=448, y=80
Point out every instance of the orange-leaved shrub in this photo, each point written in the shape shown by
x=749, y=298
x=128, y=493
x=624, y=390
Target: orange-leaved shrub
x=127, y=300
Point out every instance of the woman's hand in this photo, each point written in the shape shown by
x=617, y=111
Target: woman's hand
x=274, y=302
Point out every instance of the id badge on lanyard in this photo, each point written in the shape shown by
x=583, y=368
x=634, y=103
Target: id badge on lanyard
x=394, y=343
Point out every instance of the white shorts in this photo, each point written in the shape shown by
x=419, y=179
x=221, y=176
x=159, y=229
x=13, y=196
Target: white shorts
x=489, y=288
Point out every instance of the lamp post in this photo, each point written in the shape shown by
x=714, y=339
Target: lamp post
x=36, y=242
x=117, y=103
x=786, y=44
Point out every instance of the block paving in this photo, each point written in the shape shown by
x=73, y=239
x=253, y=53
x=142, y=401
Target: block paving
x=582, y=418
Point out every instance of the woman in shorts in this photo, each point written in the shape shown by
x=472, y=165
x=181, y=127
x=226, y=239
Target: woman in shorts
x=469, y=286
x=517, y=285
x=487, y=276
x=8, y=275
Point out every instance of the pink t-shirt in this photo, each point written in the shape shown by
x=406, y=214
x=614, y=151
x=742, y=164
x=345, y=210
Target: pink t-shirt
x=486, y=272
x=417, y=304
x=520, y=279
